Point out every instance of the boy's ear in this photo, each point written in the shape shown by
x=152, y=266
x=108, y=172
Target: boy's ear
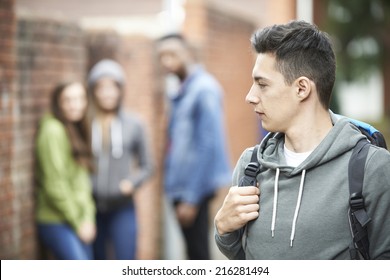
x=304, y=87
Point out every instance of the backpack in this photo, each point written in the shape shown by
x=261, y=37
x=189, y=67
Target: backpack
x=357, y=215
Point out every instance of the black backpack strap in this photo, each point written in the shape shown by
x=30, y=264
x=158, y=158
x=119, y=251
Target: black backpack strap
x=358, y=217
x=249, y=179
x=251, y=170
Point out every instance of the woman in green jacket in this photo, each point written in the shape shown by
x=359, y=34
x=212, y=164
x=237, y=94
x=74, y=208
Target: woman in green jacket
x=65, y=208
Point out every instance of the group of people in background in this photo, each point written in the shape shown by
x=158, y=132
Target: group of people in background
x=93, y=155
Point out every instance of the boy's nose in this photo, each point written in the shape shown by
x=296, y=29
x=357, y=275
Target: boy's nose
x=251, y=97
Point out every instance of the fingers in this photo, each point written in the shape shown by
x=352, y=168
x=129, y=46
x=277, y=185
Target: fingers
x=254, y=207
x=186, y=214
x=244, y=195
x=126, y=187
x=241, y=205
x=249, y=216
x=87, y=232
x=249, y=190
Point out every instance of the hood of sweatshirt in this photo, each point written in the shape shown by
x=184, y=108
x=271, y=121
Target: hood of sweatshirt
x=341, y=138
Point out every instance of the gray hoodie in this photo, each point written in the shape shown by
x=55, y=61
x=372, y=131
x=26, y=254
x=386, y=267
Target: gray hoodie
x=128, y=158
x=304, y=210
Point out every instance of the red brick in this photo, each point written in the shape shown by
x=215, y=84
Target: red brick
x=42, y=59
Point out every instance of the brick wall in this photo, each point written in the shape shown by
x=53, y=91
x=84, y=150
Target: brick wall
x=48, y=52
x=7, y=78
x=145, y=98
x=44, y=52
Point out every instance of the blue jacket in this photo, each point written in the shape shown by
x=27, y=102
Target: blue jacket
x=197, y=161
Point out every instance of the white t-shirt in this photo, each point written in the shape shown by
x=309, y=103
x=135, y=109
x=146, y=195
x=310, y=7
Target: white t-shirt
x=294, y=159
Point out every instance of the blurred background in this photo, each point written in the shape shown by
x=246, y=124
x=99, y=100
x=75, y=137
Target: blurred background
x=44, y=41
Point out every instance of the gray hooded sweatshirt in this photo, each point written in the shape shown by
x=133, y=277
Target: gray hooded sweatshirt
x=304, y=209
x=128, y=158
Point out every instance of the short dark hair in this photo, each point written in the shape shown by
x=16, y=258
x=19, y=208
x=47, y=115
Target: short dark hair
x=187, y=44
x=176, y=36
x=301, y=49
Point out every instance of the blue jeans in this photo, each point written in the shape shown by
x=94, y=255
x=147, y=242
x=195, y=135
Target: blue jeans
x=63, y=242
x=116, y=233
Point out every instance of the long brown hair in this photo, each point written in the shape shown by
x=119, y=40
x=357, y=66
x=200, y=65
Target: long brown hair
x=78, y=132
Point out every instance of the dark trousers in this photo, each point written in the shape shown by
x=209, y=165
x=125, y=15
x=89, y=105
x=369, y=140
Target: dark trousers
x=197, y=235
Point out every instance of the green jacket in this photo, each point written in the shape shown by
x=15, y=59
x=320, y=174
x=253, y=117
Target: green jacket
x=64, y=192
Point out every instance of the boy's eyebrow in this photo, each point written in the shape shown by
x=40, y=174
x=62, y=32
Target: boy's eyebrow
x=260, y=78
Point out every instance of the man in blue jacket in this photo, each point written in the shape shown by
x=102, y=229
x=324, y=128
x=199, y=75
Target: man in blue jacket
x=196, y=162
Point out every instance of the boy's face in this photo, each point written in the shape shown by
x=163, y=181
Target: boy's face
x=274, y=101
x=173, y=56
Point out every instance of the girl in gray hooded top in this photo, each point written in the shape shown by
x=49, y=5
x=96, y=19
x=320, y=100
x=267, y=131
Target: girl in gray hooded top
x=123, y=162
x=300, y=208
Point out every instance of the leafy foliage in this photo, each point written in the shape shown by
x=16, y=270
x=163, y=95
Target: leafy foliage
x=361, y=30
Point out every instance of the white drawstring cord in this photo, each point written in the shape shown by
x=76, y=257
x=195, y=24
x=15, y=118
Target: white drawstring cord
x=96, y=138
x=275, y=202
x=116, y=138
x=297, y=207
